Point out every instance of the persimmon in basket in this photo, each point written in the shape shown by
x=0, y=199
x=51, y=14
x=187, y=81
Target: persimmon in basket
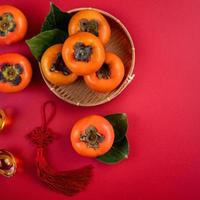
x=53, y=67
x=83, y=53
x=109, y=76
x=90, y=21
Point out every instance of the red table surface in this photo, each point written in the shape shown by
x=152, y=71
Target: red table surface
x=162, y=104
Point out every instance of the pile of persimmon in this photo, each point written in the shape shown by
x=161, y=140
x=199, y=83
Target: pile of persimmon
x=83, y=54
x=15, y=69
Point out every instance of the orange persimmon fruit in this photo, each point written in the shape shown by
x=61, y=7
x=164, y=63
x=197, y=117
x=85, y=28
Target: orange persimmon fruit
x=15, y=72
x=13, y=25
x=53, y=67
x=90, y=21
x=83, y=53
x=109, y=76
x=92, y=136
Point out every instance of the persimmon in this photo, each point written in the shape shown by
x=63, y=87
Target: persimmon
x=109, y=76
x=83, y=53
x=90, y=21
x=53, y=67
x=92, y=136
x=15, y=72
x=13, y=24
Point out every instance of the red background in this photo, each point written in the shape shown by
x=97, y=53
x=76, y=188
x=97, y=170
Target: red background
x=162, y=104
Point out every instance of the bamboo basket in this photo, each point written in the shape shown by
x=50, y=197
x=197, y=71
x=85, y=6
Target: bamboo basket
x=120, y=43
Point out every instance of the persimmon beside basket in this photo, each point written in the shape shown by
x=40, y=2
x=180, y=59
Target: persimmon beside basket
x=120, y=43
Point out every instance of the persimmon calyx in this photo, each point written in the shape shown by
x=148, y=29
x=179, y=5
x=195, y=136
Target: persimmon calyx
x=82, y=52
x=11, y=73
x=104, y=72
x=59, y=66
x=89, y=26
x=92, y=137
x=7, y=24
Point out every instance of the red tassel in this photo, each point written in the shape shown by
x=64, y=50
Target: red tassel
x=67, y=182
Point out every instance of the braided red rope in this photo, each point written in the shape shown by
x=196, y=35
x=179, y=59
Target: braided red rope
x=46, y=121
x=68, y=182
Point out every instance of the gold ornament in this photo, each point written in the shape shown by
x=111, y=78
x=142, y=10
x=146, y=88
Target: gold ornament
x=7, y=163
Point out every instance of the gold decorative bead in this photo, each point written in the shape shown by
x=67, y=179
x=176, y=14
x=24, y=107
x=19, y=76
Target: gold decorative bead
x=7, y=163
x=2, y=119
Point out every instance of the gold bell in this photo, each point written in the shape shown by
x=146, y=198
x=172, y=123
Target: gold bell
x=3, y=119
x=7, y=163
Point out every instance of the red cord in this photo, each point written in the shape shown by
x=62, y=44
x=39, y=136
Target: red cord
x=67, y=182
x=45, y=121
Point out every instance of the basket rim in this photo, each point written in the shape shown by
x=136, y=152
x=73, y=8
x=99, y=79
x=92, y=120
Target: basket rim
x=126, y=81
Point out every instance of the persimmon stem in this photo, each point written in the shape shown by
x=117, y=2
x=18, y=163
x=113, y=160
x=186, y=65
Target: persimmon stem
x=89, y=26
x=82, y=52
x=11, y=73
x=104, y=72
x=92, y=137
x=7, y=24
x=59, y=66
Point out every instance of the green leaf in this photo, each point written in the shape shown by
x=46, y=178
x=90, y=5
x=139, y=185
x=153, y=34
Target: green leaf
x=120, y=123
x=39, y=43
x=120, y=148
x=56, y=19
x=117, y=153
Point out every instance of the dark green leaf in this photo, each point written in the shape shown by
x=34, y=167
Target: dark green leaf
x=39, y=43
x=118, y=152
x=56, y=19
x=119, y=123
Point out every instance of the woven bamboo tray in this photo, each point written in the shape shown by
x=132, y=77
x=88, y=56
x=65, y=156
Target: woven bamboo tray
x=120, y=43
